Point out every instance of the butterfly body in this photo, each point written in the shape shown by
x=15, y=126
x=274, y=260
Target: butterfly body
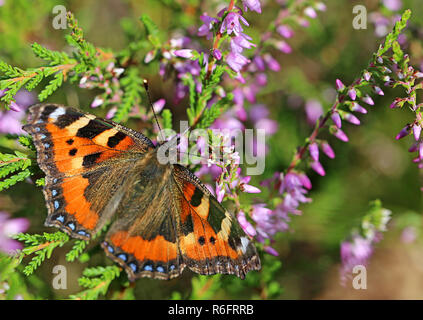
x=163, y=217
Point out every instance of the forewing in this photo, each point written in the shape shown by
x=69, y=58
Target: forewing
x=86, y=161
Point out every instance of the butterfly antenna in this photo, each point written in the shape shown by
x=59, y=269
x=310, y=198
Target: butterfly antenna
x=145, y=82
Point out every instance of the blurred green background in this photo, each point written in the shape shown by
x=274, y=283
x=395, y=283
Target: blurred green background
x=373, y=165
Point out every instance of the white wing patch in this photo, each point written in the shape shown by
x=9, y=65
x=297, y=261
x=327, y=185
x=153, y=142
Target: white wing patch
x=244, y=244
x=57, y=113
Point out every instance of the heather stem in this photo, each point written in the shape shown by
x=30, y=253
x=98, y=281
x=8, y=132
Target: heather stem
x=320, y=124
x=216, y=43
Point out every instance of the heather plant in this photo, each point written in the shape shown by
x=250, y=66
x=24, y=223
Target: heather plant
x=222, y=65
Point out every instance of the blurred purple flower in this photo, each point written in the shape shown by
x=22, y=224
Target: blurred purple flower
x=403, y=133
x=10, y=120
x=314, y=110
x=271, y=251
x=253, y=5
x=285, y=31
x=417, y=129
x=205, y=29
x=236, y=61
x=97, y=102
x=310, y=12
x=283, y=47
x=355, y=252
x=271, y=62
x=246, y=226
x=409, y=234
x=183, y=53
x=8, y=228
x=393, y=5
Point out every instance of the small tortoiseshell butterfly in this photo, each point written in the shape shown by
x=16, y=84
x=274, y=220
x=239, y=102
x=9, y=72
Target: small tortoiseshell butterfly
x=164, y=217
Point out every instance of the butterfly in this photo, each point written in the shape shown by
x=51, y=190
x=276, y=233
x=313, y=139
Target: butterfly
x=162, y=216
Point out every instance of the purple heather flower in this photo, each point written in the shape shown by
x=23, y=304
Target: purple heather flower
x=241, y=42
x=236, y=61
x=217, y=54
x=314, y=151
x=367, y=75
x=158, y=105
x=220, y=192
x=205, y=29
x=261, y=79
x=231, y=23
x=246, y=226
x=403, y=133
x=338, y=133
x=183, y=53
x=285, y=31
x=316, y=166
x=339, y=85
x=283, y=47
x=357, y=108
x=394, y=104
x=8, y=228
x=351, y=118
x=367, y=99
x=336, y=118
x=271, y=251
x=110, y=114
x=271, y=62
x=305, y=181
x=327, y=149
x=379, y=91
x=97, y=102
x=259, y=63
x=352, y=94
x=245, y=187
x=293, y=185
x=263, y=218
x=417, y=129
x=14, y=106
x=253, y=5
